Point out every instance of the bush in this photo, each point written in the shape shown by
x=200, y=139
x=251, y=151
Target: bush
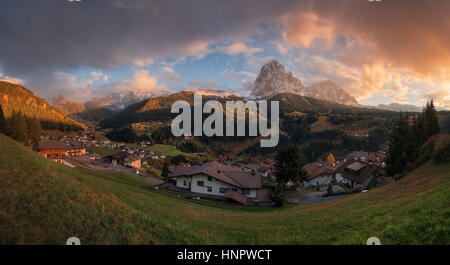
x=176, y=160
x=279, y=199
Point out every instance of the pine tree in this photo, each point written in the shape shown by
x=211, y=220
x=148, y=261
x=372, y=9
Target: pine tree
x=33, y=129
x=420, y=129
x=431, y=120
x=165, y=171
x=289, y=163
x=2, y=121
x=397, y=154
x=17, y=127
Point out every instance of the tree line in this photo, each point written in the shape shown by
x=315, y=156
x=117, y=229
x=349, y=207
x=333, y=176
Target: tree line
x=407, y=137
x=20, y=127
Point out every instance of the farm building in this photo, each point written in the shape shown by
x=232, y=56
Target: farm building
x=53, y=150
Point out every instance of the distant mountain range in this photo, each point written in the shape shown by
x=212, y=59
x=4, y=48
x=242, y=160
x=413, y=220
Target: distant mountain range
x=15, y=97
x=68, y=107
x=158, y=108
x=273, y=79
x=116, y=101
x=400, y=107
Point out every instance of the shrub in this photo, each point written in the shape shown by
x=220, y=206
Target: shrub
x=279, y=199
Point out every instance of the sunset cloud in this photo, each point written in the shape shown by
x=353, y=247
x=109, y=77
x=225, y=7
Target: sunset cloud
x=395, y=49
x=240, y=48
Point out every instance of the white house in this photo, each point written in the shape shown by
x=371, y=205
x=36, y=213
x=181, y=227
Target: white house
x=217, y=179
x=319, y=174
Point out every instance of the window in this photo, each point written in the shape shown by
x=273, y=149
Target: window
x=209, y=189
x=245, y=191
x=223, y=190
x=184, y=183
x=209, y=179
x=200, y=183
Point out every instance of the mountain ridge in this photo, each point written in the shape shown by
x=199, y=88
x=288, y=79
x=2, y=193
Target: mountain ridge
x=273, y=79
x=14, y=98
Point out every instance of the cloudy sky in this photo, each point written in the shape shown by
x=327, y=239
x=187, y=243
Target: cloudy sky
x=379, y=52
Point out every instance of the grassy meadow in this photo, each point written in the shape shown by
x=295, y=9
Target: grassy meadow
x=102, y=150
x=43, y=202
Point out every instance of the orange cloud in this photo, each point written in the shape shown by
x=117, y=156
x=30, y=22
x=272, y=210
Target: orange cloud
x=412, y=36
x=392, y=44
x=304, y=28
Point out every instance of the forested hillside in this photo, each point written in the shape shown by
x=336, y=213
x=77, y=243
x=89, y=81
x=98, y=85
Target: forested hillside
x=15, y=98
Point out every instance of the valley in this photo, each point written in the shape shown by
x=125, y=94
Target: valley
x=114, y=171
x=45, y=203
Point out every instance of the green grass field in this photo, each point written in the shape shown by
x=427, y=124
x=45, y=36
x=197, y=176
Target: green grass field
x=102, y=150
x=42, y=202
x=169, y=150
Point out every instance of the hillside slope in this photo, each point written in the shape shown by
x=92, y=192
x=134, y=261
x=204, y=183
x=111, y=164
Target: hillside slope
x=45, y=202
x=17, y=98
x=158, y=108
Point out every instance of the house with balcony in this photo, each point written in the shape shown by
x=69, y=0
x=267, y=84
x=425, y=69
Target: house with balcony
x=217, y=179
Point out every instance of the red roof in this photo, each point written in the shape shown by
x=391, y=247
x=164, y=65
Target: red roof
x=317, y=169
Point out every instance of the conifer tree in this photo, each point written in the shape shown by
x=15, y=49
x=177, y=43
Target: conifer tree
x=397, y=154
x=165, y=171
x=33, y=130
x=431, y=120
x=2, y=121
x=18, y=127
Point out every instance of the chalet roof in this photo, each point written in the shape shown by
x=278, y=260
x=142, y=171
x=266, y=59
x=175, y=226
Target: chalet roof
x=347, y=170
x=51, y=145
x=317, y=169
x=227, y=174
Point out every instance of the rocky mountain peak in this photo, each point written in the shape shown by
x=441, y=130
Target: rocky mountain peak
x=273, y=79
x=330, y=91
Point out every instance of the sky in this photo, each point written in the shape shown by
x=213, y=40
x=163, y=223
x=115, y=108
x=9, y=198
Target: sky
x=379, y=52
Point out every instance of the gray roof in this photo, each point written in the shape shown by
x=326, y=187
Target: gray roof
x=356, y=166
